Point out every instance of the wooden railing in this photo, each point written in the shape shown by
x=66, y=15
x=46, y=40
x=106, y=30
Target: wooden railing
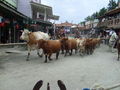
x=114, y=23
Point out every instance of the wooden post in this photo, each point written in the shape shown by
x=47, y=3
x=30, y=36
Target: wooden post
x=9, y=35
x=14, y=34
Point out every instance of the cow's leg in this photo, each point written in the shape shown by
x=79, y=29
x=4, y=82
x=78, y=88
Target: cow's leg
x=62, y=51
x=50, y=56
x=57, y=54
x=70, y=53
x=75, y=51
x=45, y=58
x=41, y=55
x=29, y=50
x=66, y=52
x=38, y=53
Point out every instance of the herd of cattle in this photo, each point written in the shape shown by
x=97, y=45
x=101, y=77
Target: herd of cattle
x=40, y=40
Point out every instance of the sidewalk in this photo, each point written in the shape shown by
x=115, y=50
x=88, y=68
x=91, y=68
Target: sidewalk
x=12, y=44
x=6, y=49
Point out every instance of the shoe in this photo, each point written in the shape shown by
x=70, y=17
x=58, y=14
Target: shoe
x=61, y=85
x=38, y=85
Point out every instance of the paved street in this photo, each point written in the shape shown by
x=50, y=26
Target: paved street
x=76, y=72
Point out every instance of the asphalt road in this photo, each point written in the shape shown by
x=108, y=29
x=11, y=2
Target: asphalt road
x=101, y=68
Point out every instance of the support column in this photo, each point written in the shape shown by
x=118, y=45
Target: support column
x=54, y=30
x=45, y=15
x=14, y=34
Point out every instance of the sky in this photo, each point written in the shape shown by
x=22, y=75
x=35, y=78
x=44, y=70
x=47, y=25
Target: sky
x=74, y=11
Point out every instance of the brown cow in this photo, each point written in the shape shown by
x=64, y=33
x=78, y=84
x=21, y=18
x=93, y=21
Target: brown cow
x=49, y=47
x=69, y=44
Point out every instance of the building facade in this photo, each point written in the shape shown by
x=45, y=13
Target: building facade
x=15, y=15
x=11, y=21
x=110, y=20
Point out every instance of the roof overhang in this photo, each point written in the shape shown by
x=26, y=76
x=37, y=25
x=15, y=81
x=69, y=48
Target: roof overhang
x=114, y=11
x=6, y=7
x=54, y=17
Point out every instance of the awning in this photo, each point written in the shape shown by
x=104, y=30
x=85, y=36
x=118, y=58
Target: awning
x=4, y=6
x=54, y=17
x=42, y=22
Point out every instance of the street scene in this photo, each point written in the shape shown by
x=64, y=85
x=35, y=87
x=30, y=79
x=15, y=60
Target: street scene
x=101, y=68
x=54, y=45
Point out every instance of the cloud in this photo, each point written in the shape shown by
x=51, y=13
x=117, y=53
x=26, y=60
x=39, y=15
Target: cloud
x=75, y=10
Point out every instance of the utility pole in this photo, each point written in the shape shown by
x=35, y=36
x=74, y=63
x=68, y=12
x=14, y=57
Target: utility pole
x=54, y=27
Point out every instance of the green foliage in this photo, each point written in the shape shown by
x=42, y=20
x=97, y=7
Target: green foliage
x=89, y=18
x=112, y=5
x=102, y=11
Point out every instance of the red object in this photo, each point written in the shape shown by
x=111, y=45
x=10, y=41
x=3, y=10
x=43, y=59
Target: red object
x=2, y=24
x=17, y=26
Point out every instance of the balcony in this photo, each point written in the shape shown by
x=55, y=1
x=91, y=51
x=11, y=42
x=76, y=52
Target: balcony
x=114, y=23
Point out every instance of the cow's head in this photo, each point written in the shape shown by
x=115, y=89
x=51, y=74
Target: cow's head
x=25, y=35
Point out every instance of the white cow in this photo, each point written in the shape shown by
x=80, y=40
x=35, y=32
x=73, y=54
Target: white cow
x=32, y=40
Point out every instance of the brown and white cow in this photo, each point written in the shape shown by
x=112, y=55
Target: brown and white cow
x=49, y=47
x=81, y=45
x=32, y=40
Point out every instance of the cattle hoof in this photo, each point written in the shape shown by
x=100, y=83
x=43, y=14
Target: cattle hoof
x=40, y=55
x=62, y=53
x=50, y=59
x=27, y=59
x=45, y=61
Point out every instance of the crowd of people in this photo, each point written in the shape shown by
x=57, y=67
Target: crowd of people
x=110, y=38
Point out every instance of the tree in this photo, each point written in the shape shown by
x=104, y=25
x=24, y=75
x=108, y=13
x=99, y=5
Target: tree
x=95, y=15
x=112, y=4
x=102, y=11
x=89, y=18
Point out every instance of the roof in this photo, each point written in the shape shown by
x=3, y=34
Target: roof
x=65, y=24
x=111, y=12
x=114, y=11
x=43, y=22
x=7, y=7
